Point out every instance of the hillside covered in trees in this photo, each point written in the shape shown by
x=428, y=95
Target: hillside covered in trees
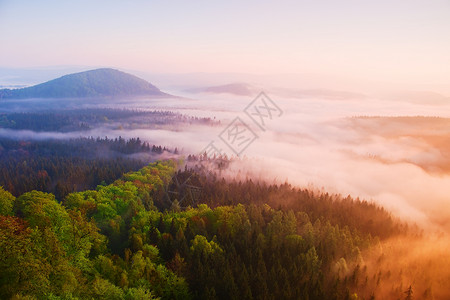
x=132, y=239
x=65, y=166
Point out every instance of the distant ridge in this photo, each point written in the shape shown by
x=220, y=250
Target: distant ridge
x=239, y=89
x=103, y=82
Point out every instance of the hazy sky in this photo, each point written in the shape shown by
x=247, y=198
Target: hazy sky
x=399, y=41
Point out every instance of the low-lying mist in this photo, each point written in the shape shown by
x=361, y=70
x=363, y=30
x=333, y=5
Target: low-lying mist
x=395, y=153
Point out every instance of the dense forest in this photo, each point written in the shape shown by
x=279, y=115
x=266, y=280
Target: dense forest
x=141, y=238
x=69, y=120
x=64, y=166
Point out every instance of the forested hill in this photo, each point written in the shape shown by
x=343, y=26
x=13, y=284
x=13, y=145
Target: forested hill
x=119, y=242
x=94, y=83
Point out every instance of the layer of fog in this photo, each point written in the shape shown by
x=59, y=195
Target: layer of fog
x=314, y=143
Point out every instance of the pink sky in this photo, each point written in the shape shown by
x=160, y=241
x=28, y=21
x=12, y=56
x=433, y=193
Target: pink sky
x=404, y=42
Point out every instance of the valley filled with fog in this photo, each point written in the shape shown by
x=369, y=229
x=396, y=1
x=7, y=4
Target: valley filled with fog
x=395, y=153
x=380, y=158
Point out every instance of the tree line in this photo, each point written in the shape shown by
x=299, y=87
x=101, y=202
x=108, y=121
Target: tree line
x=64, y=166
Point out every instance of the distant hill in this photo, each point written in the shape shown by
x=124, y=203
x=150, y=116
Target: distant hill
x=95, y=83
x=239, y=89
